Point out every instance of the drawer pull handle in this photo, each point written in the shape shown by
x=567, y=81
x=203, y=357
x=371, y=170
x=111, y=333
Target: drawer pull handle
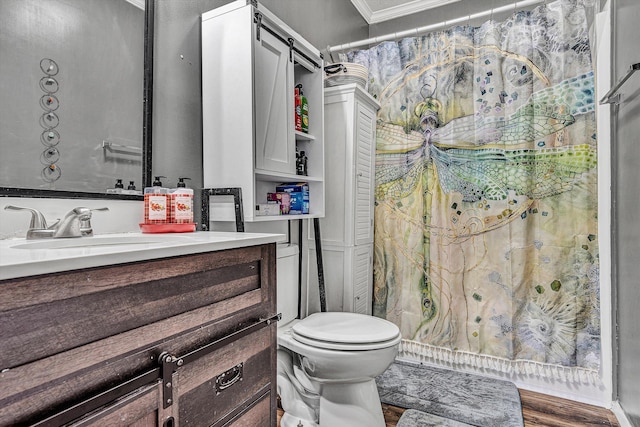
x=228, y=378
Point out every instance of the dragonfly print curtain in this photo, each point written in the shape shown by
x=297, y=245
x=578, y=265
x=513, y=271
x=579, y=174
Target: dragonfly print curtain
x=486, y=249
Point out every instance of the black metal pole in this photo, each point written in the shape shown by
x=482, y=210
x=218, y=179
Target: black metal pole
x=321, y=289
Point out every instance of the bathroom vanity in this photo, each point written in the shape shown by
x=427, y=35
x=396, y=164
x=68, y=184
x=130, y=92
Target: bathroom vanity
x=144, y=330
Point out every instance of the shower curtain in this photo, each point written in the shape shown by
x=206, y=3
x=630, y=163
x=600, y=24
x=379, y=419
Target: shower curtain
x=486, y=249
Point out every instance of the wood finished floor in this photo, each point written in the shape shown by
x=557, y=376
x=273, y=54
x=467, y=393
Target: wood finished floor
x=538, y=410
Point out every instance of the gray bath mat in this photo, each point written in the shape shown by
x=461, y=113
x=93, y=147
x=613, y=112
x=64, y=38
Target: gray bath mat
x=467, y=398
x=413, y=418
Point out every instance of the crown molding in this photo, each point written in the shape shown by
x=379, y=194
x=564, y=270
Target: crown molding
x=374, y=17
x=363, y=8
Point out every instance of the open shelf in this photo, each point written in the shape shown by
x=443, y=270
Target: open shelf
x=285, y=177
x=302, y=136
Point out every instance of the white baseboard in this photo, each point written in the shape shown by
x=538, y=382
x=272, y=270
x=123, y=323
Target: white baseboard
x=620, y=414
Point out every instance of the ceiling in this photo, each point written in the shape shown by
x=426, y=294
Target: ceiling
x=374, y=11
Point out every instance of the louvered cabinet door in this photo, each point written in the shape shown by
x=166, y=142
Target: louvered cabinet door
x=362, y=279
x=364, y=150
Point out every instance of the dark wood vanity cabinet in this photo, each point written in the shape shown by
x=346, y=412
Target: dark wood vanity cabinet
x=182, y=341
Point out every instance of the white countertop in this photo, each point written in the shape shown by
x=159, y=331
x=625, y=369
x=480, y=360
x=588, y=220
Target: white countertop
x=21, y=258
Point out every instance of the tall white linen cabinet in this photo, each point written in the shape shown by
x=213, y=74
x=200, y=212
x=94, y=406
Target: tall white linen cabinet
x=347, y=228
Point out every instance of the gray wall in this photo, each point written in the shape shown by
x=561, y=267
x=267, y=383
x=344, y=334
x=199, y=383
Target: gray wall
x=177, y=111
x=626, y=195
x=98, y=46
x=322, y=23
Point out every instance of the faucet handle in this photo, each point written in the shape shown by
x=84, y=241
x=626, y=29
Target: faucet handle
x=85, y=223
x=37, y=219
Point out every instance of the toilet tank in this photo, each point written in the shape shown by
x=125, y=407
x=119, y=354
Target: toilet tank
x=288, y=290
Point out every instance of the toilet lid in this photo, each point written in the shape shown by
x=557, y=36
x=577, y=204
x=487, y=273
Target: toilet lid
x=345, y=328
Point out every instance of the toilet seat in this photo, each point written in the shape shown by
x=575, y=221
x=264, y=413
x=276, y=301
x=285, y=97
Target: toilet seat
x=345, y=331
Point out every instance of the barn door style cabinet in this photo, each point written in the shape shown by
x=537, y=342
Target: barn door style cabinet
x=251, y=63
x=347, y=228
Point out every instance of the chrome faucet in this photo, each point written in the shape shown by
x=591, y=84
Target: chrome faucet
x=69, y=226
x=76, y=223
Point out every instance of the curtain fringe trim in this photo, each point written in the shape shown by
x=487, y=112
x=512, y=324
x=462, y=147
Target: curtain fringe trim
x=491, y=364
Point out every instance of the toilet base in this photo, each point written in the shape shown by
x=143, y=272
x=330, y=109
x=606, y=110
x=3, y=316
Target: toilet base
x=289, y=420
x=356, y=403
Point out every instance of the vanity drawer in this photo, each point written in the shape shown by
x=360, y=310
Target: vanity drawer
x=138, y=409
x=54, y=313
x=227, y=385
x=255, y=415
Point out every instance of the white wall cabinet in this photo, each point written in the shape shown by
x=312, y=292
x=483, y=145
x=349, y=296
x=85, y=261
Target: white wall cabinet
x=251, y=62
x=347, y=228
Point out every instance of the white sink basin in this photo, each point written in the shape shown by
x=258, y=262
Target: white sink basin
x=85, y=242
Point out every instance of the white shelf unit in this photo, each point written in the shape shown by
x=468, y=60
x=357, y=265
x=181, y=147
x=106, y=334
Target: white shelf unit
x=347, y=228
x=251, y=62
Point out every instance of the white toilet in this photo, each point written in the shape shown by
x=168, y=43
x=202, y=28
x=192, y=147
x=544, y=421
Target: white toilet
x=327, y=362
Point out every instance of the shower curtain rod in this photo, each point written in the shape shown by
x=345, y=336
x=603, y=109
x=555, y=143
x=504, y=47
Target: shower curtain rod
x=419, y=30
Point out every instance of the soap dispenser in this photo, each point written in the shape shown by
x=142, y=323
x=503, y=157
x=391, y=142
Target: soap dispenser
x=182, y=203
x=156, y=203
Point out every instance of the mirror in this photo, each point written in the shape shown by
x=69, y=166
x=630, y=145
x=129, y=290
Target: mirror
x=76, y=110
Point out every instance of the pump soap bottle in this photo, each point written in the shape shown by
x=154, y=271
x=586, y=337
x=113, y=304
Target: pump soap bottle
x=156, y=203
x=182, y=203
x=117, y=188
